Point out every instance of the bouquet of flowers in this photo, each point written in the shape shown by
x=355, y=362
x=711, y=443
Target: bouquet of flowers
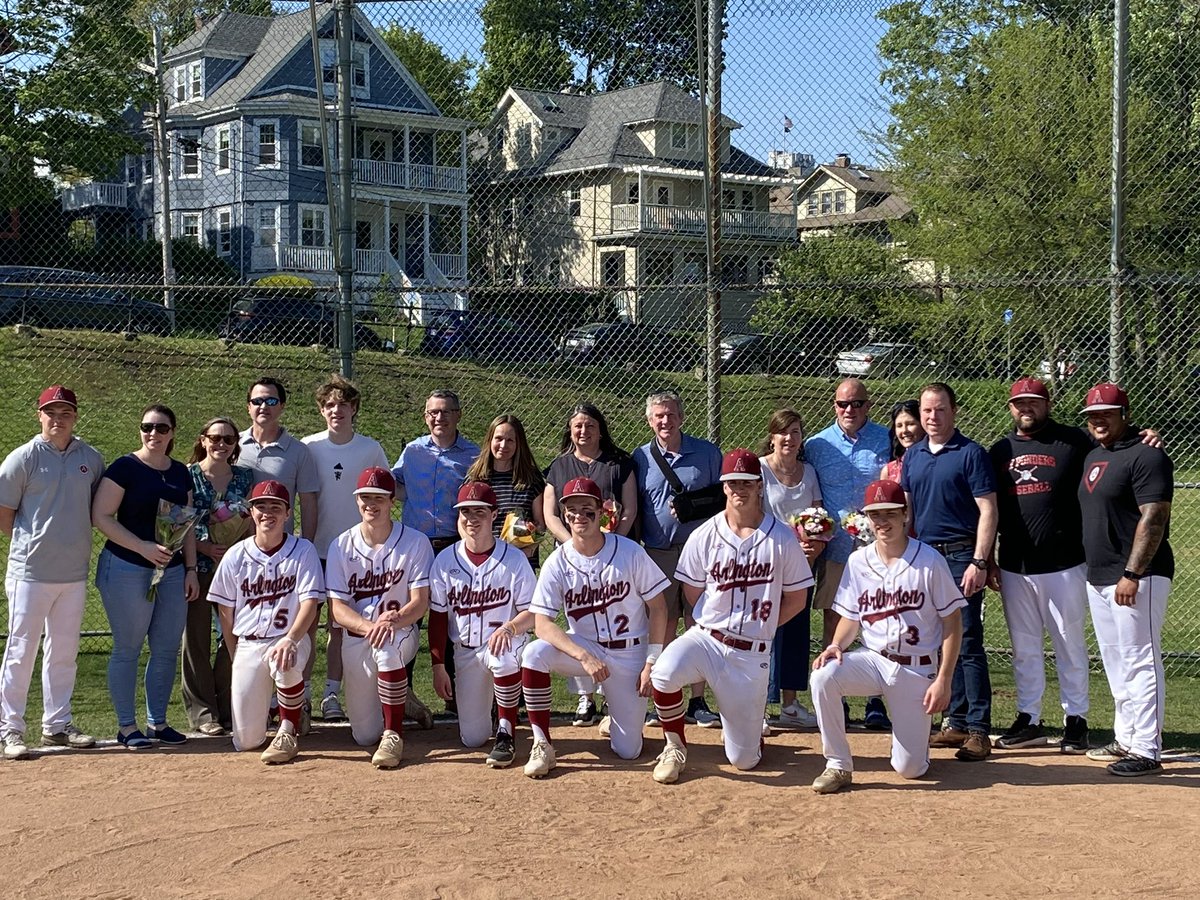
x=170, y=528
x=858, y=526
x=610, y=515
x=812, y=524
x=520, y=530
x=228, y=521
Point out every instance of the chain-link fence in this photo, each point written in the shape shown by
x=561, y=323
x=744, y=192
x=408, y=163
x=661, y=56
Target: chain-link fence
x=514, y=195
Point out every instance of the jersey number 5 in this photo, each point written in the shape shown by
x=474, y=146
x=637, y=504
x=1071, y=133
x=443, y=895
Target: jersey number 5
x=281, y=620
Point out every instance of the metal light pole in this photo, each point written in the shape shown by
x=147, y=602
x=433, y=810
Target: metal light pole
x=163, y=152
x=710, y=97
x=345, y=223
x=1116, y=265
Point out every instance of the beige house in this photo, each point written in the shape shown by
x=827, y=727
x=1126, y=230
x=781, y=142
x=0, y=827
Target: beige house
x=842, y=194
x=607, y=191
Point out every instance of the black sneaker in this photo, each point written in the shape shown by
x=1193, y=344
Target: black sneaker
x=1022, y=733
x=502, y=753
x=585, y=713
x=1075, y=735
x=1133, y=765
x=876, y=717
x=165, y=734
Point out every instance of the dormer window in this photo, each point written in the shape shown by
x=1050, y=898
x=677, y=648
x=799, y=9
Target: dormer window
x=180, y=85
x=679, y=136
x=196, y=80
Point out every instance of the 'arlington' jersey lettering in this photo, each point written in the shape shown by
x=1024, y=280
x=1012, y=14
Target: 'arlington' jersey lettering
x=266, y=591
x=479, y=599
x=372, y=580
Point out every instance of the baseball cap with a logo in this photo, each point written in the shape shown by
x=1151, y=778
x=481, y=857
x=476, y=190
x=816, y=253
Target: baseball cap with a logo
x=270, y=490
x=741, y=465
x=582, y=487
x=56, y=393
x=1028, y=387
x=376, y=480
x=883, y=495
x=1105, y=395
x=476, y=493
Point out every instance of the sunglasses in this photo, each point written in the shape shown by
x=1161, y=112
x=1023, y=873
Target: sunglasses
x=160, y=427
x=264, y=401
x=227, y=439
x=580, y=513
x=849, y=404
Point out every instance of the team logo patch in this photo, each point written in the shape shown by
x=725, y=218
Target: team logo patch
x=1094, y=474
x=878, y=496
x=83, y=469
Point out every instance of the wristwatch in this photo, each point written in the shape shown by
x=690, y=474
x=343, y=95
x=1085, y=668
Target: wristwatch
x=1131, y=575
x=980, y=564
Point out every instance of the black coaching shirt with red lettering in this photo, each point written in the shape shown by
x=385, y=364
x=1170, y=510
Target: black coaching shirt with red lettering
x=1116, y=482
x=1037, y=480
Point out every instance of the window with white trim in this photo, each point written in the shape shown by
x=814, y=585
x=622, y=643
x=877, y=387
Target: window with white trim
x=574, y=202
x=189, y=156
x=812, y=205
x=679, y=136
x=839, y=201
x=181, y=84
x=268, y=226
x=360, y=71
x=632, y=190
x=148, y=163
x=268, y=147
x=312, y=154
x=313, y=227
x=826, y=202
x=223, y=148
x=189, y=226
x=224, y=244
x=196, y=80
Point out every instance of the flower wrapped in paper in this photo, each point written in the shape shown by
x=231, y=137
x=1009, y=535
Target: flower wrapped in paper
x=813, y=524
x=610, y=516
x=229, y=521
x=170, y=528
x=520, y=530
x=858, y=526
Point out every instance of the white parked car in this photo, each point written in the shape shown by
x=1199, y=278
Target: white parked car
x=883, y=359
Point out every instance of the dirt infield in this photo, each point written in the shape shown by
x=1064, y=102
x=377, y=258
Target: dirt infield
x=202, y=821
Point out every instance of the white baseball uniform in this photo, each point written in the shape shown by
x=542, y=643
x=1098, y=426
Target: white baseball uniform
x=899, y=609
x=604, y=599
x=373, y=580
x=266, y=593
x=743, y=582
x=478, y=600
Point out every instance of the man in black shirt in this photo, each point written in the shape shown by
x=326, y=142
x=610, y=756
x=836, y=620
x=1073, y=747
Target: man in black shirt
x=1042, y=580
x=1125, y=498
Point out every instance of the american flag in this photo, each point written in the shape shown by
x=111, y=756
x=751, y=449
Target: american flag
x=787, y=124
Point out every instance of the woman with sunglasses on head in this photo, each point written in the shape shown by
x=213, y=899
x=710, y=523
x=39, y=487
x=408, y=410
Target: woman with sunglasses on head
x=216, y=481
x=906, y=430
x=506, y=463
x=126, y=512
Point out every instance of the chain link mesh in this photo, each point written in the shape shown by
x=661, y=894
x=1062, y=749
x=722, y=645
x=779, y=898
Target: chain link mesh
x=926, y=180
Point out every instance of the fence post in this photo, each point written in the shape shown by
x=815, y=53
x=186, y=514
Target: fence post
x=345, y=228
x=1116, y=330
x=710, y=93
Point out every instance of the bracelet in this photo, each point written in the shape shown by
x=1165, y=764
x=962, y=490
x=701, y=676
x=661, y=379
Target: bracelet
x=189, y=568
x=511, y=629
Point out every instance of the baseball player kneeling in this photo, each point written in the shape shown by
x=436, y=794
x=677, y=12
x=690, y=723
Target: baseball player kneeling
x=267, y=589
x=479, y=595
x=378, y=574
x=612, y=595
x=898, y=597
x=745, y=574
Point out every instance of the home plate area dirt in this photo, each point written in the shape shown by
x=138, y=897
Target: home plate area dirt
x=203, y=821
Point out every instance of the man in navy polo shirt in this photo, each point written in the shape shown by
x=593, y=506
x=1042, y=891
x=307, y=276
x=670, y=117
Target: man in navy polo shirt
x=952, y=495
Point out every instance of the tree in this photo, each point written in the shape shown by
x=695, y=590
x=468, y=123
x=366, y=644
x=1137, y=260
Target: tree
x=180, y=18
x=522, y=45
x=622, y=43
x=442, y=78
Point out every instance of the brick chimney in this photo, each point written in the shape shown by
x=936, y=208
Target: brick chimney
x=842, y=161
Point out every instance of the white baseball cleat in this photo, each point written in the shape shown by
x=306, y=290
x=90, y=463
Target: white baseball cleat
x=831, y=781
x=670, y=763
x=766, y=729
x=606, y=726
x=14, y=746
x=391, y=746
x=796, y=716
x=541, y=760
x=283, y=749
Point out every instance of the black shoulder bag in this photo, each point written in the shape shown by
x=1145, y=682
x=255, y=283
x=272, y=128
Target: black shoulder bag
x=702, y=503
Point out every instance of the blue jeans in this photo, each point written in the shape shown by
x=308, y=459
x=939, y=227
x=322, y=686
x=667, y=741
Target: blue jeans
x=789, y=656
x=133, y=619
x=971, y=688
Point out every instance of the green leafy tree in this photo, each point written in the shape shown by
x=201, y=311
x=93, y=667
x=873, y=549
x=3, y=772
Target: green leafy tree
x=522, y=45
x=443, y=78
x=621, y=43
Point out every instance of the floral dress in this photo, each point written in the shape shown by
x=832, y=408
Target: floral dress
x=204, y=498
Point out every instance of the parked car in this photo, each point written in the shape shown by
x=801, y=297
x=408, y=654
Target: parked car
x=295, y=319
x=64, y=298
x=882, y=360
x=775, y=354
x=622, y=343
x=484, y=336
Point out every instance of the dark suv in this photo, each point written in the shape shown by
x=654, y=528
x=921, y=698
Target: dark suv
x=624, y=343
x=485, y=337
x=296, y=319
x=63, y=298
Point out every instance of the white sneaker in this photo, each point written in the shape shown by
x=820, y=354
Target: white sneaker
x=391, y=746
x=766, y=732
x=70, y=736
x=14, y=746
x=541, y=760
x=796, y=716
x=670, y=763
x=283, y=749
x=831, y=781
x=606, y=726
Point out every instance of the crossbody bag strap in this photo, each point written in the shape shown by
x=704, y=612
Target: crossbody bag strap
x=668, y=472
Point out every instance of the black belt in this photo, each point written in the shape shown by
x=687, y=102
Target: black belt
x=441, y=543
x=944, y=547
x=907, y=660
x=253, y=637
x=620, y=645
x=738, y=643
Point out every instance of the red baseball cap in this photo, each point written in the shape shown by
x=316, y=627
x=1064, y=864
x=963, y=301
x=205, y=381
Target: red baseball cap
x=476, y=493
x=741, y=465
x=270, y=490
x=883, y=495
x=582, y=487
x=376, y=480
x=56, y=393
x=1105, y=395
x=1028, y=387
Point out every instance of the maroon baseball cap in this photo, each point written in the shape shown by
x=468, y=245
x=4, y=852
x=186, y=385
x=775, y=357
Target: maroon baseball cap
x=1105, y=395
x=376, y=480
x=1028, y=387
x=56, y=393
x=883, y=495
x=741, y=465
x=582, y=487
x=476, y=493
x=270, y=490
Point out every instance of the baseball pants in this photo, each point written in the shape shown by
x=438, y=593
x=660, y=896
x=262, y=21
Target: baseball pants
x=738, y=679
x=1054, y=602
x=1131, y=648
x=865, y=672
x=36, y=609
x=253, y=684
x=626, y=708
x=361, y=665
x=473, y=687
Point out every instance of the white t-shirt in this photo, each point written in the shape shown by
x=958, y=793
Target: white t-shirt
x=604, y=596
x=782, y=501
x=743, y=579
x=266, y=591
x=899, y=609
x=479, y=599
x=372, y=580
x=338, y=468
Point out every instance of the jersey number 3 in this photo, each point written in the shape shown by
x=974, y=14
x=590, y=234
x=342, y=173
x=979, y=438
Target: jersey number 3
x=912, y=635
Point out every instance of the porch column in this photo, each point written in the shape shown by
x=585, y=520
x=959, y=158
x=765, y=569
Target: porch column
x=462, y=234
x=407, y=180
x=425, y=225
x=462, y=168
x=641, y=199
x=387, y=227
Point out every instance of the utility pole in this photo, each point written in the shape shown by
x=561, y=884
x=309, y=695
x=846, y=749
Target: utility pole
x=1116, y=267
x=162, y=153
x=345, y=222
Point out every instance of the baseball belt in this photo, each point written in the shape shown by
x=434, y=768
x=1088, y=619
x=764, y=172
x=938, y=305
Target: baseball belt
x=944, y=547
x=620, y=645
x=738, y=643
x=907, y=660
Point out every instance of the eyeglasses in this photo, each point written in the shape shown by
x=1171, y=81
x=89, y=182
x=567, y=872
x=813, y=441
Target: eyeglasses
x=580, y=513
x=227, y=439
x=849, y=404
x=443, y=413
x=160, y=427
x=264, y=401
